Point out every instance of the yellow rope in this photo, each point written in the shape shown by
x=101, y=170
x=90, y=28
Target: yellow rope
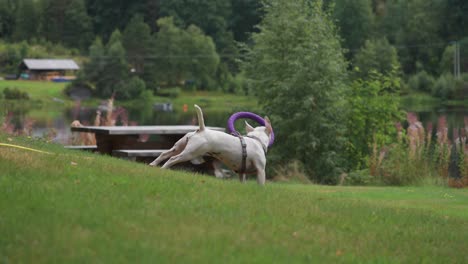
x=25, y=148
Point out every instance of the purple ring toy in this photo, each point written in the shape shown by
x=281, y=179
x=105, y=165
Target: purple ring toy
x=248, y=115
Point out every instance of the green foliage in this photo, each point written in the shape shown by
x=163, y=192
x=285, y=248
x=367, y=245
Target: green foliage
x=184, y=54
x=297, y=70
x=7, y=18
x=359, y=177
x=108, y=71
x=445, y=86
x=210, y=16
x=77, y=26
x=244, y=16
x=10, y=58
x=355, y=21
x=421, y=81
x=11, y=54
x=131, y=88
x=446, y=62
x=374, y=107
x=27, y=20
x=376, y=55
x=399, y=168
x=447, y=59
x=137, y=41
x=420, y=27
x=454, y=16
x=15, y=94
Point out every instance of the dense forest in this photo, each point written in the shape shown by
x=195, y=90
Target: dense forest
x=203, y=40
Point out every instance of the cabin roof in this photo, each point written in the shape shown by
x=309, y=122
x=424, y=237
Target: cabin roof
x=50, y=64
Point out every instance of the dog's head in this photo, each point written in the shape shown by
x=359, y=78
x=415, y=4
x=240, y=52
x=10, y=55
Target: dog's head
x=263, y=133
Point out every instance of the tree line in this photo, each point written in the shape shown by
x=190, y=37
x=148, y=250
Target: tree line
x=418, y=35
x=164, y=42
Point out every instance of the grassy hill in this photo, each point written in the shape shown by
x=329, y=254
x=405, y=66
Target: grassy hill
x=76, y=207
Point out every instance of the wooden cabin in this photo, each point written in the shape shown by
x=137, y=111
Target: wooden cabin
x=48, y=69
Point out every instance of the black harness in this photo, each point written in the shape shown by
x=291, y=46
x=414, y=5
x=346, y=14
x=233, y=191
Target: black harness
x=244, y=151
x=244, y=154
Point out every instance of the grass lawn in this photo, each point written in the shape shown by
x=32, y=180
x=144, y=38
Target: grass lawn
x=76, y=207
x=216, y=100
x=47, y=91
x=37, y=90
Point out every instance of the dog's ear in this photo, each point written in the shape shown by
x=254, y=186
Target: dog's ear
x=268, y=127
x=248, y=127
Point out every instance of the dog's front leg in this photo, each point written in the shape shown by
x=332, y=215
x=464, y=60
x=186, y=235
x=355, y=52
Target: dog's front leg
x=175, y=150
x=260, y=173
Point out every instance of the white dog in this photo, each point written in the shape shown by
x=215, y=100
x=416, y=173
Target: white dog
x=241, y=154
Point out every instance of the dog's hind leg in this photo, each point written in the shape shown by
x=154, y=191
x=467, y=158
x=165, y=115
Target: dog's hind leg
x=193, y=150
x=165, y=155
x=175, y=150
x=182, y=157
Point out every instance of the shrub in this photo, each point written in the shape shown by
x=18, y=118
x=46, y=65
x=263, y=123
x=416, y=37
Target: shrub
x=15, y=94
x=374, y=105
x=291, y=172
x=421, y=81
x=376, y=55
x=239, y=85
x=132, y=88
x=417, y=159
x=445, y=86
x=359, y=177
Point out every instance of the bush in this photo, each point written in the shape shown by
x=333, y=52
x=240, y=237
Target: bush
x=375, y=107
x=238, y=85
x=421, y=81
x=376, y=55
x=445, y=86
x=133, y=88
x=359, y=177
x=461, y=92
x=15, y=94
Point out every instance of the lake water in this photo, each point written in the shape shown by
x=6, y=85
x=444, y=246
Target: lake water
x=52, y=120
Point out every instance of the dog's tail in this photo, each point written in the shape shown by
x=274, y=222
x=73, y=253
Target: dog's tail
x=201, y=121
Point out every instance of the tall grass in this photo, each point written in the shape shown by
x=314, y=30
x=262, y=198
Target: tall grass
x=418, y=159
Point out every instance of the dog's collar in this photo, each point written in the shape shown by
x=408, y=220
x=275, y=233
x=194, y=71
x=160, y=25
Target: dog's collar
x=265, y=148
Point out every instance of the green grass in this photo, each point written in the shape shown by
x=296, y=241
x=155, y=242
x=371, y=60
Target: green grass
x=37, y=90
x=76, y=207
x=214, y=101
